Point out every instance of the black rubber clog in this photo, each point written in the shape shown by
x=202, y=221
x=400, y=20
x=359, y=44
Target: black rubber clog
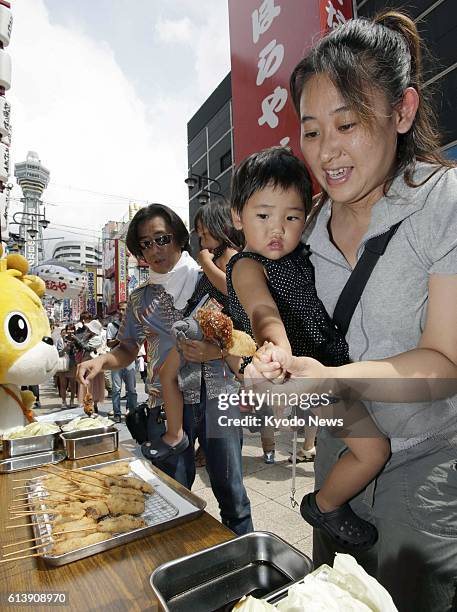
x=158, y=450
x=342, y=525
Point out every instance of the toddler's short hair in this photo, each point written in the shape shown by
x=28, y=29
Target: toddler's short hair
x=276, y=167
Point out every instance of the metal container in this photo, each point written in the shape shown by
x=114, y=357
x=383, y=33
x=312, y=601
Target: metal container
x=87, y=443
x=171, y=504
x=27, y=446
x=215, y=579
x=28, y=462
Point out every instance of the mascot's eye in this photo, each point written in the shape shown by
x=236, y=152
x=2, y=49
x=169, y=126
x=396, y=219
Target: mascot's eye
x=17, y=328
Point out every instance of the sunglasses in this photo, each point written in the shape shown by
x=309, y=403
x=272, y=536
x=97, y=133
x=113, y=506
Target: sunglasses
x=159, y=241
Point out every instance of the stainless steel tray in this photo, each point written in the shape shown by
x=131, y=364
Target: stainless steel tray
x=87, y=443
x=29, y=462
x=28, y=446
x=215, y=579
x=170, y=504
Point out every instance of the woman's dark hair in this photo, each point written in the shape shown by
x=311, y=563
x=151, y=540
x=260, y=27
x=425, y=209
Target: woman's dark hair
x=276, y=167
x=176, y=224
x=217, y=219
x=384, y=54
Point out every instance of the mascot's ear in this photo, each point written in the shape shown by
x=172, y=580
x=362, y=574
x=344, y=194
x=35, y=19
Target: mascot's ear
x=17, y=262
x=36, y=284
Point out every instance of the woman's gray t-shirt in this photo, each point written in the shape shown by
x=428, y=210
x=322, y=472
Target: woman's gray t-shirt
x=391, y=314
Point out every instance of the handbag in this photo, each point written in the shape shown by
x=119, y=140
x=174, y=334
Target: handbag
x=63, y=363
x=145, y=423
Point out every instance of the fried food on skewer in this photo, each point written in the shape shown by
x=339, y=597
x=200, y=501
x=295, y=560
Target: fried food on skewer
x=120, y=524
x=119, y=505
x=69, y=518
x=62, y=547
x=119, y=468
x=95, y=509
x=130, y=482
x=82, y=523
x=126, y=493
x=88, y=403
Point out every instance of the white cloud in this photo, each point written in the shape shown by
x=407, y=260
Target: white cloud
x=73, y=105
x=174, y=31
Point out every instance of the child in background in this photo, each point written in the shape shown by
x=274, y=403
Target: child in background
x=219, y=241
x=272, y=292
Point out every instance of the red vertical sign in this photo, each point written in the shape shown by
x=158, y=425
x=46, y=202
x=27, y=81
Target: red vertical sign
x=333, y=13
x=267, y=39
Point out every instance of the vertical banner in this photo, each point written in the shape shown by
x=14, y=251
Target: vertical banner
x=66, y=309
x=121, y=271
x=333, y=13
x=267, y=40
x=91, y=291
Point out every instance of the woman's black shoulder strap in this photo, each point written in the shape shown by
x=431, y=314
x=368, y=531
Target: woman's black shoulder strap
x=353, y=289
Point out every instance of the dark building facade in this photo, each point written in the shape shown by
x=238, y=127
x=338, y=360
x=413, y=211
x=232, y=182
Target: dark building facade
x=210, y=145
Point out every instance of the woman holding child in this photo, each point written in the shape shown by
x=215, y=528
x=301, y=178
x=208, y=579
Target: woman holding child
x=367, y=134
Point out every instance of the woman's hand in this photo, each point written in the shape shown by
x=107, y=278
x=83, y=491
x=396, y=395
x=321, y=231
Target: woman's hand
x=89, y=369
x=199, y=351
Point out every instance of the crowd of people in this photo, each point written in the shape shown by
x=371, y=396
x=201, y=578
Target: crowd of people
x=280, y=264
x=79, y=342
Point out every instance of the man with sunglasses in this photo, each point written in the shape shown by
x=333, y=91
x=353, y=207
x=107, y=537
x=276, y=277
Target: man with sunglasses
x=159, y=237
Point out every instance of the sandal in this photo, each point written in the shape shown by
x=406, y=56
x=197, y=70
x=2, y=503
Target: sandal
x=342, y=525
x=158, y=450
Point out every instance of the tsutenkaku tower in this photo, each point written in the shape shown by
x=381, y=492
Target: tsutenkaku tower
x=33, y=179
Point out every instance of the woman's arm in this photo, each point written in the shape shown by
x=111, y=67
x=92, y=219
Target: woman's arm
x=436, y=354
x=250, y=284
x=424, y=373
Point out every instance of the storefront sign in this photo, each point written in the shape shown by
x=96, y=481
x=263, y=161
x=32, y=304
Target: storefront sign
x=334, y=13
x=91, y=290
x=267, y=38
x=66, y=309
x=121, y=271
x=5, y=117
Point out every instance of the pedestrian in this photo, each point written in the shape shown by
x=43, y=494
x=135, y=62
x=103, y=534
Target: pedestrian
x=219, y=242
x=369, y=136
x=67, y=379
x=127, y=374
x=90, y=344
x=159, y=236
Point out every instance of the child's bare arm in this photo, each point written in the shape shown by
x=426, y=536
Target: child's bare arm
x=215, y=275
x=250, y=284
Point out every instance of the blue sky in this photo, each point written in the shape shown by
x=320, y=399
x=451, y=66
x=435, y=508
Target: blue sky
x=103, y=90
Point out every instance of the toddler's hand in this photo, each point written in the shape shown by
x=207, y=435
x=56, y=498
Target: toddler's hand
x=204, y=257
x=272, y=362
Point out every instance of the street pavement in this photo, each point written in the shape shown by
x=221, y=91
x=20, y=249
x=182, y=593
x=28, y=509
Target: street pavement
x=268, y=486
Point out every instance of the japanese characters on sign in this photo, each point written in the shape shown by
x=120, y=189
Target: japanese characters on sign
x=58, y=286
x=121, y=271
x=268, y=38
x=334, y=13
x=91, y=290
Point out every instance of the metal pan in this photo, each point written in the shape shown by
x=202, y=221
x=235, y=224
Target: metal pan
x=215, y=579
x=170, y=504
x=28, y=446
x=80, y=444
x=28, y=462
